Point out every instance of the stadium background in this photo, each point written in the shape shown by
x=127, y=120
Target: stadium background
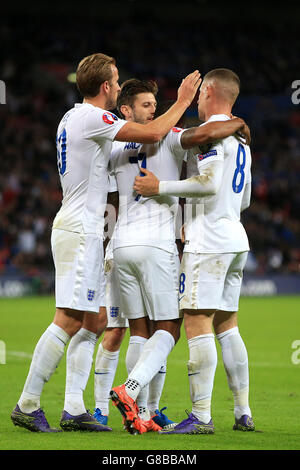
x=41, y=45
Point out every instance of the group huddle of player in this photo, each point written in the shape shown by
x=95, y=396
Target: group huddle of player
x=145, y=285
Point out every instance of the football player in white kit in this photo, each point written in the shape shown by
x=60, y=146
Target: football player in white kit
x=137, y=102
x=84, y=140
x=215, y=253
x=146, y=258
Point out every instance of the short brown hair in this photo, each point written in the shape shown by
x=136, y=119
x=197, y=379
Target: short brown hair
x=91, y=72
x=228, y=80
x=133, y=87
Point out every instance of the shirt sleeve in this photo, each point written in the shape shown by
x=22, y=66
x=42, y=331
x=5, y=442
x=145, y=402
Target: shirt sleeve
x=207, y=183
x=101, y=124
x=214, y=153
x=174, y=142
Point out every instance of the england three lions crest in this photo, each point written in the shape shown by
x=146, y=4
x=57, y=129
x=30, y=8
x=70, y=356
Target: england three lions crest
x=91, y=294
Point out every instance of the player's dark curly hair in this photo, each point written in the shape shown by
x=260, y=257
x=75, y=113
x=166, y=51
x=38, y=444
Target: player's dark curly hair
x=133, y=87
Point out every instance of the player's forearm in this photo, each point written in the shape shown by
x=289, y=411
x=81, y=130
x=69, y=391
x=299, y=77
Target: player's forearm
x=155, y=130
x=164, y=123
x=210, y=132
x=205, y=184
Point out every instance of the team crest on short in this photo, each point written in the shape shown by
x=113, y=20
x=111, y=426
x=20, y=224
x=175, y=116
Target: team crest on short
x=114, y=311
x=109, y=118
x=91, y=295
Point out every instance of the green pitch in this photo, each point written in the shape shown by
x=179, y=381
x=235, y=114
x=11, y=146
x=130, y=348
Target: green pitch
x=269, y=327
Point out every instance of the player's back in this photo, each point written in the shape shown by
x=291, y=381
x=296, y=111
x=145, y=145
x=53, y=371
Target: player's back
x=146, y=220
x=218, y=217
x=83, y=140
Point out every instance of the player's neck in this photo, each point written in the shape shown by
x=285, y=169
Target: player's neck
x=98, y=101
x=217, y=109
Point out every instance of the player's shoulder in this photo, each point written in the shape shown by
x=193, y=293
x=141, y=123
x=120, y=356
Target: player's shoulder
x=172, y=140
x=94, y=112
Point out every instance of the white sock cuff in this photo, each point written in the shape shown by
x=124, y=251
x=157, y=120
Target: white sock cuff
x=87, y=334
x=108, y=354
x=168, y=336
x=58, y=332
x=193, y=341
x=137, y=340
x=231, y=331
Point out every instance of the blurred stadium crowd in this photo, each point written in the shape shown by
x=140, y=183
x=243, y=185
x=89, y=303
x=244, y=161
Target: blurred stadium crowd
x=38, y=93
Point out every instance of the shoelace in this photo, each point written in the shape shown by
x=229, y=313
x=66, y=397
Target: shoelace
x=42, y=418
x=189, y=419
x=162, y=415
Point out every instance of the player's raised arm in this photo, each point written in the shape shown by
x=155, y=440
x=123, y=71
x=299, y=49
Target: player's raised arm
x=157, y=129
x=213, y=131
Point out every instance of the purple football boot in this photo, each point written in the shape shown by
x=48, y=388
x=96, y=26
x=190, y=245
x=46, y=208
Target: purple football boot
x=83, y=422
x=244, y=423
x=35, y=421
x=191, y=425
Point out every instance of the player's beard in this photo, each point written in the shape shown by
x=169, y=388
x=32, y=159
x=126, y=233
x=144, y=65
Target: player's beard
x=140, y=119
x=111, y=102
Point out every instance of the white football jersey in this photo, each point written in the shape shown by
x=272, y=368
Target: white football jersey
x=213, y=222
x=146, y=220
x=84, y=140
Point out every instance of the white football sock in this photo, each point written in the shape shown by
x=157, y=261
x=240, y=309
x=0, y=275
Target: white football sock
x=201, y=370
x=46, y=357
x=135, y=348
x=154, y=354
x=79, y=362
x=155, y=389
x=235, y=359
x=105, y=370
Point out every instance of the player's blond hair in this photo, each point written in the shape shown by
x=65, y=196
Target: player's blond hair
x=226, y=82
x=92, y=71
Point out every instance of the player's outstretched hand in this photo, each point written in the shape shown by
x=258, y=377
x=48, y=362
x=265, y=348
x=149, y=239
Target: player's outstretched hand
x=147, y=185
x=189, y=86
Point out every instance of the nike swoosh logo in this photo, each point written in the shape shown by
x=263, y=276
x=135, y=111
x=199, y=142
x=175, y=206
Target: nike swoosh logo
x=179, y=298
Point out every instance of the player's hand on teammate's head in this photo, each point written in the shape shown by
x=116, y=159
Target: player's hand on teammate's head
x=147, y=185
x=189, y=86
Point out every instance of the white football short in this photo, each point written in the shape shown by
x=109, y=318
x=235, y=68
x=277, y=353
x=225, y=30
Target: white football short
x=211, y=281
x=79, y=273
x=148, y=279
x=115, y=319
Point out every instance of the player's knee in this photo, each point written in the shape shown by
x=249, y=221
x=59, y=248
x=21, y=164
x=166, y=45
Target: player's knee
x=113, y=338
x=69, y=320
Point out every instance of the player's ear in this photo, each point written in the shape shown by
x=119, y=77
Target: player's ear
x=208, y=91
x=104, y=87
x=126, y=111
